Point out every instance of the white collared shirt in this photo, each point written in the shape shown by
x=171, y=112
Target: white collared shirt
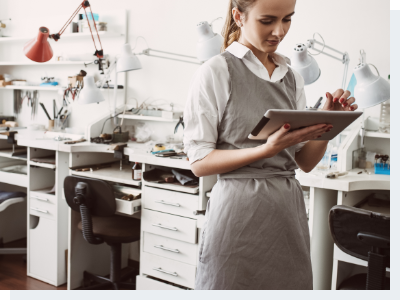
x=209, y=94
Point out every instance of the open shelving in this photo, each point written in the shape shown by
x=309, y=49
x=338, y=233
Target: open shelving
x=113, y=174
x=65, y=35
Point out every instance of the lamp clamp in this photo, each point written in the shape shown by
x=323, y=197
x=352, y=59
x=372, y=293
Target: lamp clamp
x=85, y=4
x=55, y=36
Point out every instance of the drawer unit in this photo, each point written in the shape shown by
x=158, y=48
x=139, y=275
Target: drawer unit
x=179, y=228
x=168, y=269
x=145, y=283
x=172, y=202
x=170, y=248
x=42, y=208
x=47, y=198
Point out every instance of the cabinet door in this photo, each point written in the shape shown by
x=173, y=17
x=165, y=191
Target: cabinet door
x=43, y=251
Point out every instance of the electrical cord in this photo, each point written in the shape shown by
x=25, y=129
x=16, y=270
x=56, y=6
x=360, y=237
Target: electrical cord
x=107, y=120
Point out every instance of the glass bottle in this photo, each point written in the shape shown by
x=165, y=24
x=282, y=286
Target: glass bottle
x=137, y=172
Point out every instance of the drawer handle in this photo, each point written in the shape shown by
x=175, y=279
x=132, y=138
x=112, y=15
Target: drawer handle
x=167, y=249
x=165, y=227
x=168, y=203
x=41, y=199
x=40, y=210
x=166, y=272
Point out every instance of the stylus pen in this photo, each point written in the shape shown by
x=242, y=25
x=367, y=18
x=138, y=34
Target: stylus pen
x=318, y=103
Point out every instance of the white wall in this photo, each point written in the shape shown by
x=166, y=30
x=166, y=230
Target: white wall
x=348, y=25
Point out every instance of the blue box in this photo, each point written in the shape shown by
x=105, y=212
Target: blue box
x=383, y=169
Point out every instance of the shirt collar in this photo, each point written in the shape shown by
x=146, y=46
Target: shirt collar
x=241, y=51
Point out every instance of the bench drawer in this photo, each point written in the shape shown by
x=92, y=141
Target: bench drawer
x=181, y=204
x=170, y=248
x=175, y=227
x=168, y=269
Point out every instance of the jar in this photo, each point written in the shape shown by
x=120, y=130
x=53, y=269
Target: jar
x=102, y=26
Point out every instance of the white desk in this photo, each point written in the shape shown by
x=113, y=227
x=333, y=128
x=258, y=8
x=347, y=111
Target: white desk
x=324, y=194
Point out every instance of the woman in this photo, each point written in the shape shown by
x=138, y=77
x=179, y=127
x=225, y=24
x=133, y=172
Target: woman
x=256, y=233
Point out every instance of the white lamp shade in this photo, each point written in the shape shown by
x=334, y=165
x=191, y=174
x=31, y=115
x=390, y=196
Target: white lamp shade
x=371, y=89
x=127, y=60
x=305, y=64
x=90, y=92
x=209, y=43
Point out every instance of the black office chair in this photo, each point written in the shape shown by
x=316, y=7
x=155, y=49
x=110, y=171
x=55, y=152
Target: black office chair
x=366, y=235
x=95, y=201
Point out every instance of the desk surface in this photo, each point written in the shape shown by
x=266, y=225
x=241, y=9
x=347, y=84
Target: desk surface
x=347, y=183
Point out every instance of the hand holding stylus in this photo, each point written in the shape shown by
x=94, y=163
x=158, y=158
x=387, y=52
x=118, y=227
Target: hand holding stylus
x=340, y=101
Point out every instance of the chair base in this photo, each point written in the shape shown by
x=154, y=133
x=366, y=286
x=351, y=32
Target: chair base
x=5, y=251
x=104, y=283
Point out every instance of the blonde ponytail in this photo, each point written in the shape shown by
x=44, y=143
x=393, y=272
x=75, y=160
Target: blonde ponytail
x=231, y=32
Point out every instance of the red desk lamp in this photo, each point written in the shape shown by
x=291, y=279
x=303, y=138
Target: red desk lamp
x=39, y=49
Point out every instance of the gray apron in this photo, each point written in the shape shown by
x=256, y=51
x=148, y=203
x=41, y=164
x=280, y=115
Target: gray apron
x=256, y=234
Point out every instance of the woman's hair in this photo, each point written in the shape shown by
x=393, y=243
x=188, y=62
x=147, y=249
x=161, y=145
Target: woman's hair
x=231, y=32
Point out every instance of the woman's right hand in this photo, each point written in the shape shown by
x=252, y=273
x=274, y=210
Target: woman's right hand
x=283, y=139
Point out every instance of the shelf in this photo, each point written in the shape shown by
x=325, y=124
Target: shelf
x=113, y=174
x=14, y=178
x=147, y=118
x=377, y=134
x=50, y=63
x=350, y=182
x=32, y=88
x=19, y=153
x=42, y=165
x=374, y=134
x=173, y=187
x=65, y=35
x=42, y=88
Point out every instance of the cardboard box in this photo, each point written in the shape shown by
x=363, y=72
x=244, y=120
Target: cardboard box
x=73, y=80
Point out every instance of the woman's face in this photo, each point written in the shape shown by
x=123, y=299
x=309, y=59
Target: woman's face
x=266, y=24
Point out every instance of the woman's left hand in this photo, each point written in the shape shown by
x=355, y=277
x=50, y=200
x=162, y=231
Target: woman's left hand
x=340, y=101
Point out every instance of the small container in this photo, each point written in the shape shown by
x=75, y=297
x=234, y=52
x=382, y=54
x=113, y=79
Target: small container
x=383, y=169
x=102, y=26
x=51, y=125
x=137, y=172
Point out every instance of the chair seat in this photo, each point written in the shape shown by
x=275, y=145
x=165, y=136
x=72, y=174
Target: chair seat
x=359, y=282
x=116, y=229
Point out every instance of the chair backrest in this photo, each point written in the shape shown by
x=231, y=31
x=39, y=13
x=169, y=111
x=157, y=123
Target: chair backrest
x=98, y=194
x=347, y=222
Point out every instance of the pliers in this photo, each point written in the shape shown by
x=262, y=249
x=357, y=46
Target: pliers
x=179, y=123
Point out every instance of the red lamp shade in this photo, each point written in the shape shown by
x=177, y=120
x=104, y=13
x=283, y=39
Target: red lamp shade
x=39, y=49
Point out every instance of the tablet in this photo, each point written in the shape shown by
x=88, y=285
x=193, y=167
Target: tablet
x=274, y=119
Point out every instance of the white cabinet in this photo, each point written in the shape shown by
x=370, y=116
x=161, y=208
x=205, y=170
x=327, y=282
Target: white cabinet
x=170, y=235
x=48, y=218
x=43, y=250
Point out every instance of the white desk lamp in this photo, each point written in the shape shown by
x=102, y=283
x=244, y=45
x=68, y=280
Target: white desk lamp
x=305, y=64
x=90, y=92
x=209, y=44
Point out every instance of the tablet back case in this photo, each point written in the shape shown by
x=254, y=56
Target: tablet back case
x=274, y=119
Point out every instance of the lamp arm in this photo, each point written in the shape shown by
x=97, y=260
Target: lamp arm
x=345, y=58
x=311, y=44
x=85, y=4
x=147, y=52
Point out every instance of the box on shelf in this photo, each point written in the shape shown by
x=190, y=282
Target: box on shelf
x=73, y=80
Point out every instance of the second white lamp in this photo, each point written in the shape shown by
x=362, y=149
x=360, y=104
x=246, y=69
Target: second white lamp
x=90, y=92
